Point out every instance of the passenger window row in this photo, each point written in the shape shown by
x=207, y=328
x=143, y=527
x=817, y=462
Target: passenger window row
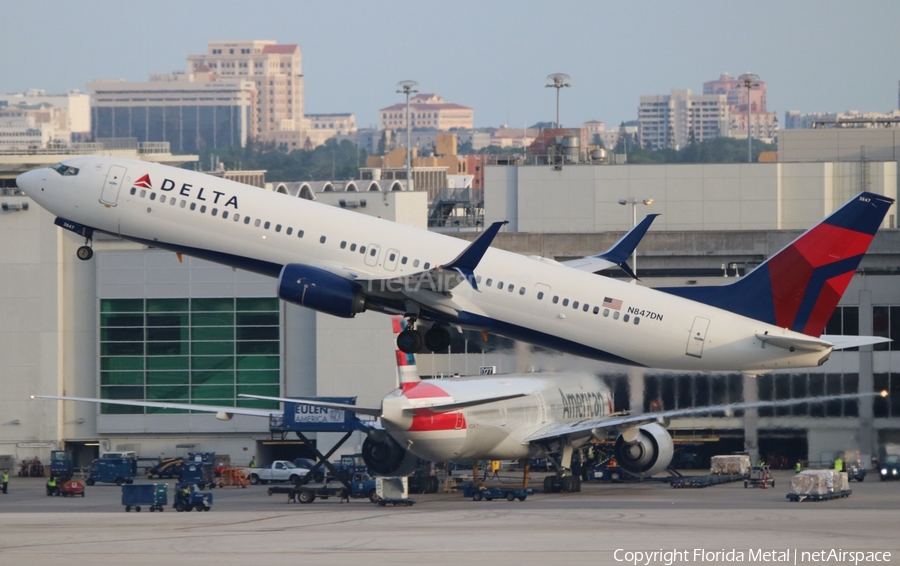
x=585, y=307
x=173, y=201
x=374, y=252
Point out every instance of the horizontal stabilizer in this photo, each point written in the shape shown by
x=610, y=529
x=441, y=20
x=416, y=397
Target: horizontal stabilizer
x=794, y=343
x=177, y=406
x=456, y=405
x=314, y=403
x=843, y=342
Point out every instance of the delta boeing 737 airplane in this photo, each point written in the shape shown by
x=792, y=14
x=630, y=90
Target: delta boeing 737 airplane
x=342, y=263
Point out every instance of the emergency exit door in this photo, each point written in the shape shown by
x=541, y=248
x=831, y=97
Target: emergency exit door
x=697, y=338
x=111, y=186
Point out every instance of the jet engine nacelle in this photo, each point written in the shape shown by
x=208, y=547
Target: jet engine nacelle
x=387, y=458
x=645, y=450
x=320, y=290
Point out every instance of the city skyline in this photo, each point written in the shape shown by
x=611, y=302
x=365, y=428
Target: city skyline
x=492, y=57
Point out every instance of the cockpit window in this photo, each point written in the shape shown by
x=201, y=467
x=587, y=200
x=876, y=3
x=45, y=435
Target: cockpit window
x=65, y=170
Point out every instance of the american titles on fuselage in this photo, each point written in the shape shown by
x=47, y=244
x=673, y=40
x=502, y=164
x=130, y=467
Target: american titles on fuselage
x=583, y=405
x=187, y=190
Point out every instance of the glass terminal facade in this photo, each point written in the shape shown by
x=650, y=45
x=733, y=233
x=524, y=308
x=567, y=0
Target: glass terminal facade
x=200, y=350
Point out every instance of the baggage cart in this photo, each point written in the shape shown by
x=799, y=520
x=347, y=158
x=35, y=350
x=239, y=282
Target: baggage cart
x=153, y=495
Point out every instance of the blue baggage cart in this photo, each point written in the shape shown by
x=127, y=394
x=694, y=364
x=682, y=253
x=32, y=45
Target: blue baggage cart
x=153, y=495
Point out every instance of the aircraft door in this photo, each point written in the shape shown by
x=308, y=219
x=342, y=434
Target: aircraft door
x=542, y=408
x=697, y=338
x=372, y=254
x=390, y=259
x=111, y=186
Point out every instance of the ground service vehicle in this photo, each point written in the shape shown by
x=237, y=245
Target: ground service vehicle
x=60, y=465
x=72, y=488
x=479, y=492
x=361, y=485
x=112, y=470
x=188, y=497
x=318, y=472
x=279, y=470
x=890, y=467
x=166, y=468
x=198, y=473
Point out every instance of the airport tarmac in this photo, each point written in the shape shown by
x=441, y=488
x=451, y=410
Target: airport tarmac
x=600, y=525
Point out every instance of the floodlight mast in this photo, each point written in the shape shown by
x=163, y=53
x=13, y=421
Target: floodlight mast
x=749, y=81
x=559, y=82
x=407, y=88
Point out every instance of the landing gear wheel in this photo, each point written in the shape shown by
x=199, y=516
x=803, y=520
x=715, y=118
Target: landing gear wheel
x=548, y=484
x=437, y=339
x=84, y=253
x=409, y=341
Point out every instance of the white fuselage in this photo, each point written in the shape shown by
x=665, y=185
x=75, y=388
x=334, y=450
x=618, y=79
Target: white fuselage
x=496, y=430
x=529, y=299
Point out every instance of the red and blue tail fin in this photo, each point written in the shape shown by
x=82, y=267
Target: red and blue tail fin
x=407, y=372
x=800, y=286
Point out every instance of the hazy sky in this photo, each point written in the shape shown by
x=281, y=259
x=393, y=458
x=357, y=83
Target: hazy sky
x=493, y=56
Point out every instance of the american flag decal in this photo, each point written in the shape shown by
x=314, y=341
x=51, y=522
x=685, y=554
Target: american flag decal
x=610, y=303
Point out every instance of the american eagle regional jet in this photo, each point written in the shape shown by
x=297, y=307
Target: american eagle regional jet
x=342, y=263
x=500, y=417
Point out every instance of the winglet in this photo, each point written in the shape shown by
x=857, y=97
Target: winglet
x=466, y=262
x=622, y=250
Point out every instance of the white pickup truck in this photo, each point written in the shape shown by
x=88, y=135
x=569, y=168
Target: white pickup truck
x=279, y=470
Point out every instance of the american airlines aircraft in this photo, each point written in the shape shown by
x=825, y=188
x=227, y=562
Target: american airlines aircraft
x=501, y=417
x=342, y=263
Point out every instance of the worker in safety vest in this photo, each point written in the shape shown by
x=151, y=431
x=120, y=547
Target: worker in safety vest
x=52, y=489
x=798, y=467
x=5, y=480
x=839, y=464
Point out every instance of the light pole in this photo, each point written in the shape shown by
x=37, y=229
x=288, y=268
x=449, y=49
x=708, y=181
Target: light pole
x=559, y=81
x=634, y=202
x=407, y=88
x=749, y=81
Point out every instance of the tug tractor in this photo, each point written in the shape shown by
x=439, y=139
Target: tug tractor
x=189, y=498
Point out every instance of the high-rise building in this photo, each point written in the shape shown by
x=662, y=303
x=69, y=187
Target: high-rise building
x=674, y=120
x=191, y=112
x=763, y=122
x=274, y=69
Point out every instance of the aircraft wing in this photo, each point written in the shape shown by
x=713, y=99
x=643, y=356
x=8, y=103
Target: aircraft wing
x=313, y=403
x=618, y=254
x=430, y=288
x=590, y=427
x=226, y=411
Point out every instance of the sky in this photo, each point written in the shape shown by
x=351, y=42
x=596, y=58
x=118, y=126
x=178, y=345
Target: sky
x=491, y=55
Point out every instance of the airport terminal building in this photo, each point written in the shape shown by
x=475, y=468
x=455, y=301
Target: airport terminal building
x=136, y=322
